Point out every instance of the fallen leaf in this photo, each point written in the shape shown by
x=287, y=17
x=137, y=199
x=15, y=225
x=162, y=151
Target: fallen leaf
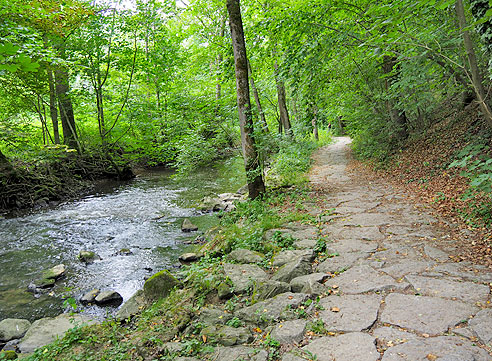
x=431, y=357
x=335, y=309
x=204, y=339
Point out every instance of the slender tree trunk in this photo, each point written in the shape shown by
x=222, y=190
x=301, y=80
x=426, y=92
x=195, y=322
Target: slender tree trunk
x=315, y=122
x=264, y=124
x=53, y=107
x=66, y=109
x=397, y=117
x=251, y=159
x=218, y=64
x=100, y=107
x=472, y=61
x=282, y=104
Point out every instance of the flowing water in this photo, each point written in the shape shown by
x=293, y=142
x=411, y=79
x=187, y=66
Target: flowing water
x=143, y=215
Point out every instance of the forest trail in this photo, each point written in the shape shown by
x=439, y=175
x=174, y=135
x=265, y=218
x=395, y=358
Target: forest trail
x=399, y=294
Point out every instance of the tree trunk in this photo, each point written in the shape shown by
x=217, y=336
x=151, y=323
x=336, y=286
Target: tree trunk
x=251, y=159
x=315, y=122
x=472, y=61
x=62, y=89
x=397, y=117
x=264, y=124
x=282, y=104
x=53, y=107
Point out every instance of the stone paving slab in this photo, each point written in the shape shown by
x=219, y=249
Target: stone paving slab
x=353, y=245
x=391, y=336
x=368, y=219
x=298, y=283
x=347, y=347
x=362, y=279
x=443, y=348
x=339, y=263
x=349, y=313
x=370, y=233
x=289, y=255
x=239, y=353
x=471, y=273
x=439, y=287
x=403, y=268
x=436, y=254
x=481, y=324
x=431, y=315
x=289, y=331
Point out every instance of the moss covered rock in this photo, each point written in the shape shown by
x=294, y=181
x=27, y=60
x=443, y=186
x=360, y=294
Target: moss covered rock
x=8, y=355
x=159, y=285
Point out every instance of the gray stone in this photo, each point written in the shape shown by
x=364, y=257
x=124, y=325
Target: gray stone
x=340, y=263
x=290, y=356
x=289, y=331
x=424, y=314
x=348, y=347
x=242, y=255
x=447, y=348
x=133, y=306
x=268, y=289
x=438, y=287
x=482, y=325
x=469, y=273
x=464, y=332
x=214, y=316
x=353, y=245
x=298, y=283
x=188, y=257
x=305, y=243
x=368, y=219
x=291, y=270
x=314, y=288
x=89, y=297
x=45, y=330
x=226, y=335
x=361, y=279
x=349, y=313
x=188, y=226
x=287, y=256
x=13, y=328
x=406, y=267
x=159, y=285
x=243, y=276
x=239, y=353
x=362, y=233
x=55, y=272
x=436, y=254
x=112, y=298
x=224, y=292
x=391, y=336
x=88, y=256
x=281, y=306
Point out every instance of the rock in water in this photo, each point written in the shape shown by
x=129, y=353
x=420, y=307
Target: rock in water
x=188, y=257
x=187, y=226
x=112, y=298
x=159, y=285
x=13, y=328
x=88, y=257
x=90, y=297
x=49, y=276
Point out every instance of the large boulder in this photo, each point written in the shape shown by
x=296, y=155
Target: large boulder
x=243, y=276
x=289, y=271
x=227, y=335
x=159, y=285
x=242, y=255
x=46, y=330
x=89, y=297
x=13, y=328
x=109, y=298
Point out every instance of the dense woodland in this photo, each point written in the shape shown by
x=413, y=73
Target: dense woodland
x=90, y=87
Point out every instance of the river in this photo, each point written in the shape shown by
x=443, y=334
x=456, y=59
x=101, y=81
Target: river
x=143, y=215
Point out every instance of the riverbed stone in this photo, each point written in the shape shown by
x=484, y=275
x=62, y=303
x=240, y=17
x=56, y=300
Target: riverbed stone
x=159, y=285
x=188, y=257
x=361, y=279
x=436, y=254
x=45, y=330
x=133, y=306
x=280, y=307
x=106, y=298
x=439, y=287
x=88, y=257
x=90, y=297
x=242, y=255
x=286, y=256
x=269, y=288
x=347, y=347
x=431, y=315
x=482, y=325
x=349, y=313
x=289, y=331
x=237, y=353
x=243, y=276
x=188, y=226
x=55, y=272
x=227, y=335
x=289, y=271
x=298, y=283
x=13, y=328
x=340, y=262
x=445, y=348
